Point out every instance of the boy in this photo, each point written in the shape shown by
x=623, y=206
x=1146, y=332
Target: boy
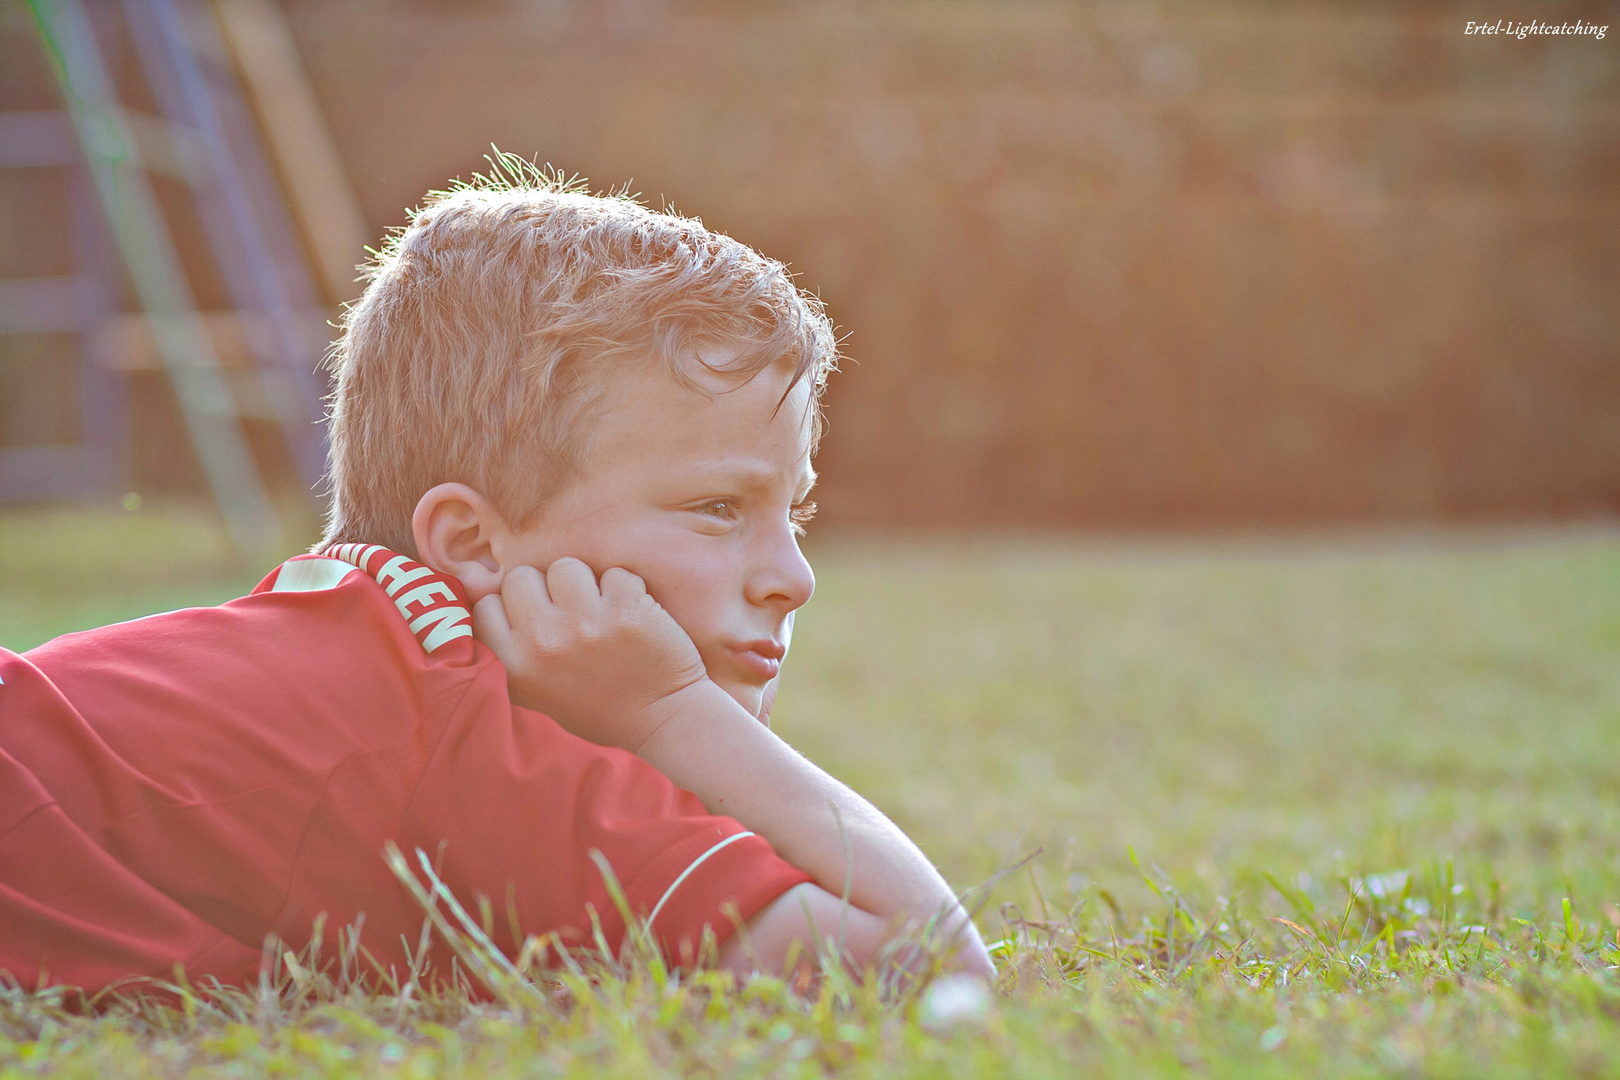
x=583, y=431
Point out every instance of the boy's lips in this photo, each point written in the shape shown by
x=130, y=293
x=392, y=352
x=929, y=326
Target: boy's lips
x=762, y=658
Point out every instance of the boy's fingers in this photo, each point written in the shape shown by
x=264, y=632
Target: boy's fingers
x=572, y=584
x=524, y=596
x=524, y=578
x=489, y=622
x=620, y=584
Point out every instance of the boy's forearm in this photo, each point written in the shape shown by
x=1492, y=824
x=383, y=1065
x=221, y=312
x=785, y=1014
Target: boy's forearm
x=709, y=745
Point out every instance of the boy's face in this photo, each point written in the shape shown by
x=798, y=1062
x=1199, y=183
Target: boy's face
x=696, y=494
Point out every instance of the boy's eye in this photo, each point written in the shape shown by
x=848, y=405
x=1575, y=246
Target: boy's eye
x=801, y=514
x=717, y=508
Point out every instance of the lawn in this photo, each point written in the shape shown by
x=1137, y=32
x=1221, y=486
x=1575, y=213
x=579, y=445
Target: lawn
x=1327, y=806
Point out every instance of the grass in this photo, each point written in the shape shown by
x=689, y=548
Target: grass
x=1328, y=808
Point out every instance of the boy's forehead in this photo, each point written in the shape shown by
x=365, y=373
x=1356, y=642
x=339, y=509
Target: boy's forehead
x=749, y=432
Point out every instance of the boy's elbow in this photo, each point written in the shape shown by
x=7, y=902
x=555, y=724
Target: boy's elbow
x=801, y=922
x=972, y=958
x=805, y=918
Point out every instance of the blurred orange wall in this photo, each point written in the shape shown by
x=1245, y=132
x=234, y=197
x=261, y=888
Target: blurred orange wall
x=1100, y=264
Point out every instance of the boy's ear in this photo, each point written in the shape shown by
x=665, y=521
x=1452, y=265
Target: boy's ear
x=453, y=527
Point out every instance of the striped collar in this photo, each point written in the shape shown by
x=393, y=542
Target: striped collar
x=432, y=604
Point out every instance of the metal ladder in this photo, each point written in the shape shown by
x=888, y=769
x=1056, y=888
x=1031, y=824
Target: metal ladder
x=205, y=137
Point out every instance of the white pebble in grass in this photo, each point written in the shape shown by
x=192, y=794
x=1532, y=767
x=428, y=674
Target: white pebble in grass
x=954, y=999
x=1273, y=1037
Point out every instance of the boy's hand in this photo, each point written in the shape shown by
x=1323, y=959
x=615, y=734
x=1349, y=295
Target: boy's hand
x=598, y=659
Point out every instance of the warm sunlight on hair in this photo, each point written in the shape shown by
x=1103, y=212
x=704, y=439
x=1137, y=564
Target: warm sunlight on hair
x=495, y=326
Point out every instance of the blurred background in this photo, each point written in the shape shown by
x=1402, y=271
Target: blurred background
x=1101, y=265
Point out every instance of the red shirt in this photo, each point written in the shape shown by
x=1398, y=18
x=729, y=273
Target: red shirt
x=175, y=788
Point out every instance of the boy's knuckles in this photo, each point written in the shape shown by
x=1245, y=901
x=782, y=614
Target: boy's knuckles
x=554, y=641
x=524, y=587
x=523, y=576
x=569, y=571
x=621, y=584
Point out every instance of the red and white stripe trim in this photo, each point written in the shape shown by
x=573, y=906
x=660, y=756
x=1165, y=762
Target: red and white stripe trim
x=430, y=602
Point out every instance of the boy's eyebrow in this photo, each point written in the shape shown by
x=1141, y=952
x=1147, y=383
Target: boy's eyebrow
x=750, y=475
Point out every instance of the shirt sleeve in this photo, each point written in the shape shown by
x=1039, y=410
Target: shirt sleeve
x=513, y=808
x=70, y=911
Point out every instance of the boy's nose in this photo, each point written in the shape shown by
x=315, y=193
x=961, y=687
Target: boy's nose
x=782, y=576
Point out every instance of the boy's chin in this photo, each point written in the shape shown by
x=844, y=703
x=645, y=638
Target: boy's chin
x=751, y=698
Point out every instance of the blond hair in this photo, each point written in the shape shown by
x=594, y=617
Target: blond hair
x=494, y=326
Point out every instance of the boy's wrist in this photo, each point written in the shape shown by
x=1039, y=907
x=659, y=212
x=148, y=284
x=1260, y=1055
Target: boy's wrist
x=671, y=716
x=704, y=741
